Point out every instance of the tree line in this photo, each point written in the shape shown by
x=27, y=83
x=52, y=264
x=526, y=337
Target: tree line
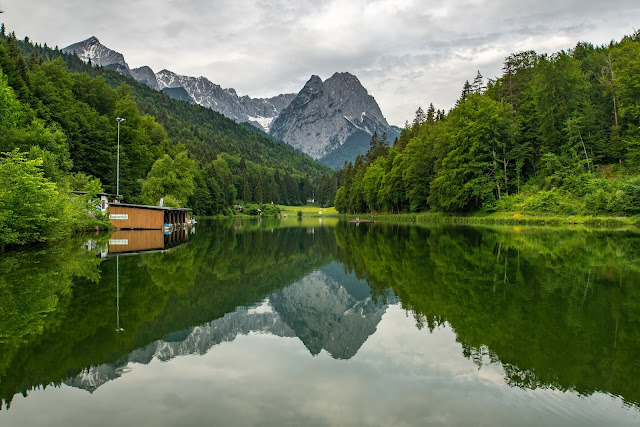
x=555, y=133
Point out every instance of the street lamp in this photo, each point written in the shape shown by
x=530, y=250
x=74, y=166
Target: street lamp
x=119, y=120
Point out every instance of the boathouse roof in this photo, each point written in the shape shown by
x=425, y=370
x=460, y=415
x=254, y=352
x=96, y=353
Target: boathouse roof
x=159, y=208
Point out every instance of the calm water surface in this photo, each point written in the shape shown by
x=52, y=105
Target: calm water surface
x=324, y=323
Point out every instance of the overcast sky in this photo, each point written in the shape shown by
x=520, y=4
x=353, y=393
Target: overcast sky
x=406, y=53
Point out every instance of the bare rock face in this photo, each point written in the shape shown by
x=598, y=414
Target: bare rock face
x=327, y=115
x=257, y=111
x=147, y=76
x=92, y=50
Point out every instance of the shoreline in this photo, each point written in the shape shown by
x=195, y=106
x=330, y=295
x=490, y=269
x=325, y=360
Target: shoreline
x=510, y=218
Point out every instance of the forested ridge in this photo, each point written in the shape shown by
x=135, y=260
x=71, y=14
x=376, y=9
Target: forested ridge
x=554, y=134
x=58, y=133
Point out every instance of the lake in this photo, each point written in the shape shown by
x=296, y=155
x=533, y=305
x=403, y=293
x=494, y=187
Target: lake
x=321, y=322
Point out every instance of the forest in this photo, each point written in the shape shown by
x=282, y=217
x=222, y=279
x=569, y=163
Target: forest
x=58, y=133
x=555, y=134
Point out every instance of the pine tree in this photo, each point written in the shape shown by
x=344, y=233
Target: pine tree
x=431, y=114
x=246, y=188
x=466, y=90
x=478, y=85
x=3, y=30
x=420, y=117
x=377, y=147
x=259, y=194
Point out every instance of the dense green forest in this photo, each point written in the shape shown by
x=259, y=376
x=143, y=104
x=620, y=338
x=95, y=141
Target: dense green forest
x=554, y=134
x=58, y=134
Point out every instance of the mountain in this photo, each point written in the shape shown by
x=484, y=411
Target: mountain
x=147, y=76
x=330, y=121
x=337, y=114
x=100, y=55
x=258, y=111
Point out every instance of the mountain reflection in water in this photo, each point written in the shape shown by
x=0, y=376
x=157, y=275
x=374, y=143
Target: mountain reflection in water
x=327, y=309
x=538, y=310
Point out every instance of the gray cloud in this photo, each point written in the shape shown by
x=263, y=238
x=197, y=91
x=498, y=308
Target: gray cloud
x=406, y=52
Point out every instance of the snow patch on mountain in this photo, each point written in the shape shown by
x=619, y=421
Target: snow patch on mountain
x=92, y=50
x=264, y=122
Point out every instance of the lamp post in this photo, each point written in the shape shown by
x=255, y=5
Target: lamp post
x=119, y=120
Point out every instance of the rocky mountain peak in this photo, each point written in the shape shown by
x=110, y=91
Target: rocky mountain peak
x=331, y=121
x=100, y=55
x=326, y=116
x=344, y=77
x=146, y=75
x=314, y=82
x=259, y=112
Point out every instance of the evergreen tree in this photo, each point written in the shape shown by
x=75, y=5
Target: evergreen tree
x=377, y=147
x=431, y=114
x=467, y=90
x=259, y=194
x=478, y=85
x=247, y=194
x=420, y=118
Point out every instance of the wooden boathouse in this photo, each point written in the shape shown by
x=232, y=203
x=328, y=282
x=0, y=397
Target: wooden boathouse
x=125, y=216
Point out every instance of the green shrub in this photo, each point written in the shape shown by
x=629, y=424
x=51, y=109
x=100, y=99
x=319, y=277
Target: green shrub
x=596, y=202
x=172, y=202
x=619, y=197
x=270, y=210
x=31, y=208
